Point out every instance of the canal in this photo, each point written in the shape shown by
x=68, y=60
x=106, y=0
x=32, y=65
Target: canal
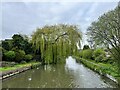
x=69, y=75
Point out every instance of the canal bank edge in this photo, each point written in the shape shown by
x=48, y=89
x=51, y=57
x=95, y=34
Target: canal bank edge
x=10, y=73
x=93, y=67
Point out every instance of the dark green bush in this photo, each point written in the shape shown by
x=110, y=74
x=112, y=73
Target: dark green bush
x=109, y=60
x=98, y=52
x=87, y=54
x=7, y=44
x=99, y=58
x=9, y=55
x=28, y=57
x=105, y=60
x=81, y=53
x=20, y=55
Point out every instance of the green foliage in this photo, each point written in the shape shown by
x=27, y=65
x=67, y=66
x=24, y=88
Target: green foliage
x=98, y=52
x=7, y=44
x=9, y=55
x=116, y=54
x=22, y=42
x=99, y=58
x=86, y=47
x=109, y=59
x=20, y=55
x=105, y=32
x=17, y=41
x=20, y=45
x=100, y=67
x=81, y=53
x=28, y=57
x=18, y=66
x=87, y=54
x=98, y=55
x=55, y=43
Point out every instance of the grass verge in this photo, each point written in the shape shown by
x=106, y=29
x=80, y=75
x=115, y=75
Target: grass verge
x=101, y=68
x=30, y=64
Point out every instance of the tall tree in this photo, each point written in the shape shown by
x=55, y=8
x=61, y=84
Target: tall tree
x=56, y=41
x=7, y=44
x=22, y=42
x=106, y=31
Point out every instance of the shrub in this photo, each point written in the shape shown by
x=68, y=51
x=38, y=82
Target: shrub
x=20, y=55
x=105, y=60
x=28, y=57
x=81, y=54
x=109, y=60
x=99, y=58
x=9, y=55
x=98, y=52
x=87, y=54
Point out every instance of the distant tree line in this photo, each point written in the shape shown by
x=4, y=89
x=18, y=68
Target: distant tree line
x=18, y=49
x=98, y=55
x=49, y=44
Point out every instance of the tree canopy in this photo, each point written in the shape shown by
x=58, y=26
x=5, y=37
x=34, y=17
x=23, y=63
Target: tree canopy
x=55, y=42
x=106, y=31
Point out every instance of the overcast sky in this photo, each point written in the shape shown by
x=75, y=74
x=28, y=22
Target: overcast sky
x=25, y=17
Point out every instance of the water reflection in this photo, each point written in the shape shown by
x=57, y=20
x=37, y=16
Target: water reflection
x=70, y=75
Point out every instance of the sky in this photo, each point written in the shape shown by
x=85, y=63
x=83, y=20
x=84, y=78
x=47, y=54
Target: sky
x=24, y=17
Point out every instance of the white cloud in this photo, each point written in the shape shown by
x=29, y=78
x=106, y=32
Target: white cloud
x=26, y=17
x=93, y=7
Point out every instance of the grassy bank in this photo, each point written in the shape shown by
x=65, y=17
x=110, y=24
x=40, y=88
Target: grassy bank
x=16, y=69
x=101, y=68
x=30, y=64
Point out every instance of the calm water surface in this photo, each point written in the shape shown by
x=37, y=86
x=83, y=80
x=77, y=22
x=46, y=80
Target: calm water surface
x=69, y=75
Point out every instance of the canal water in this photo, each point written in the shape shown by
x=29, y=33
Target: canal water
x=69, y=75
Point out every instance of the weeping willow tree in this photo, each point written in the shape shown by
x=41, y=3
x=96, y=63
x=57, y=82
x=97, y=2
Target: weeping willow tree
x=56, y=42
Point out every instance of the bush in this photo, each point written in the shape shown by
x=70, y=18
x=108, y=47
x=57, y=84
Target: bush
x=28, y=57
x=98, y=52
x=81, y=54
x=87, y=54
x=109, y=60
x=20, y=55
x=100, y=58
x=104, y=59
x=9, y=55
